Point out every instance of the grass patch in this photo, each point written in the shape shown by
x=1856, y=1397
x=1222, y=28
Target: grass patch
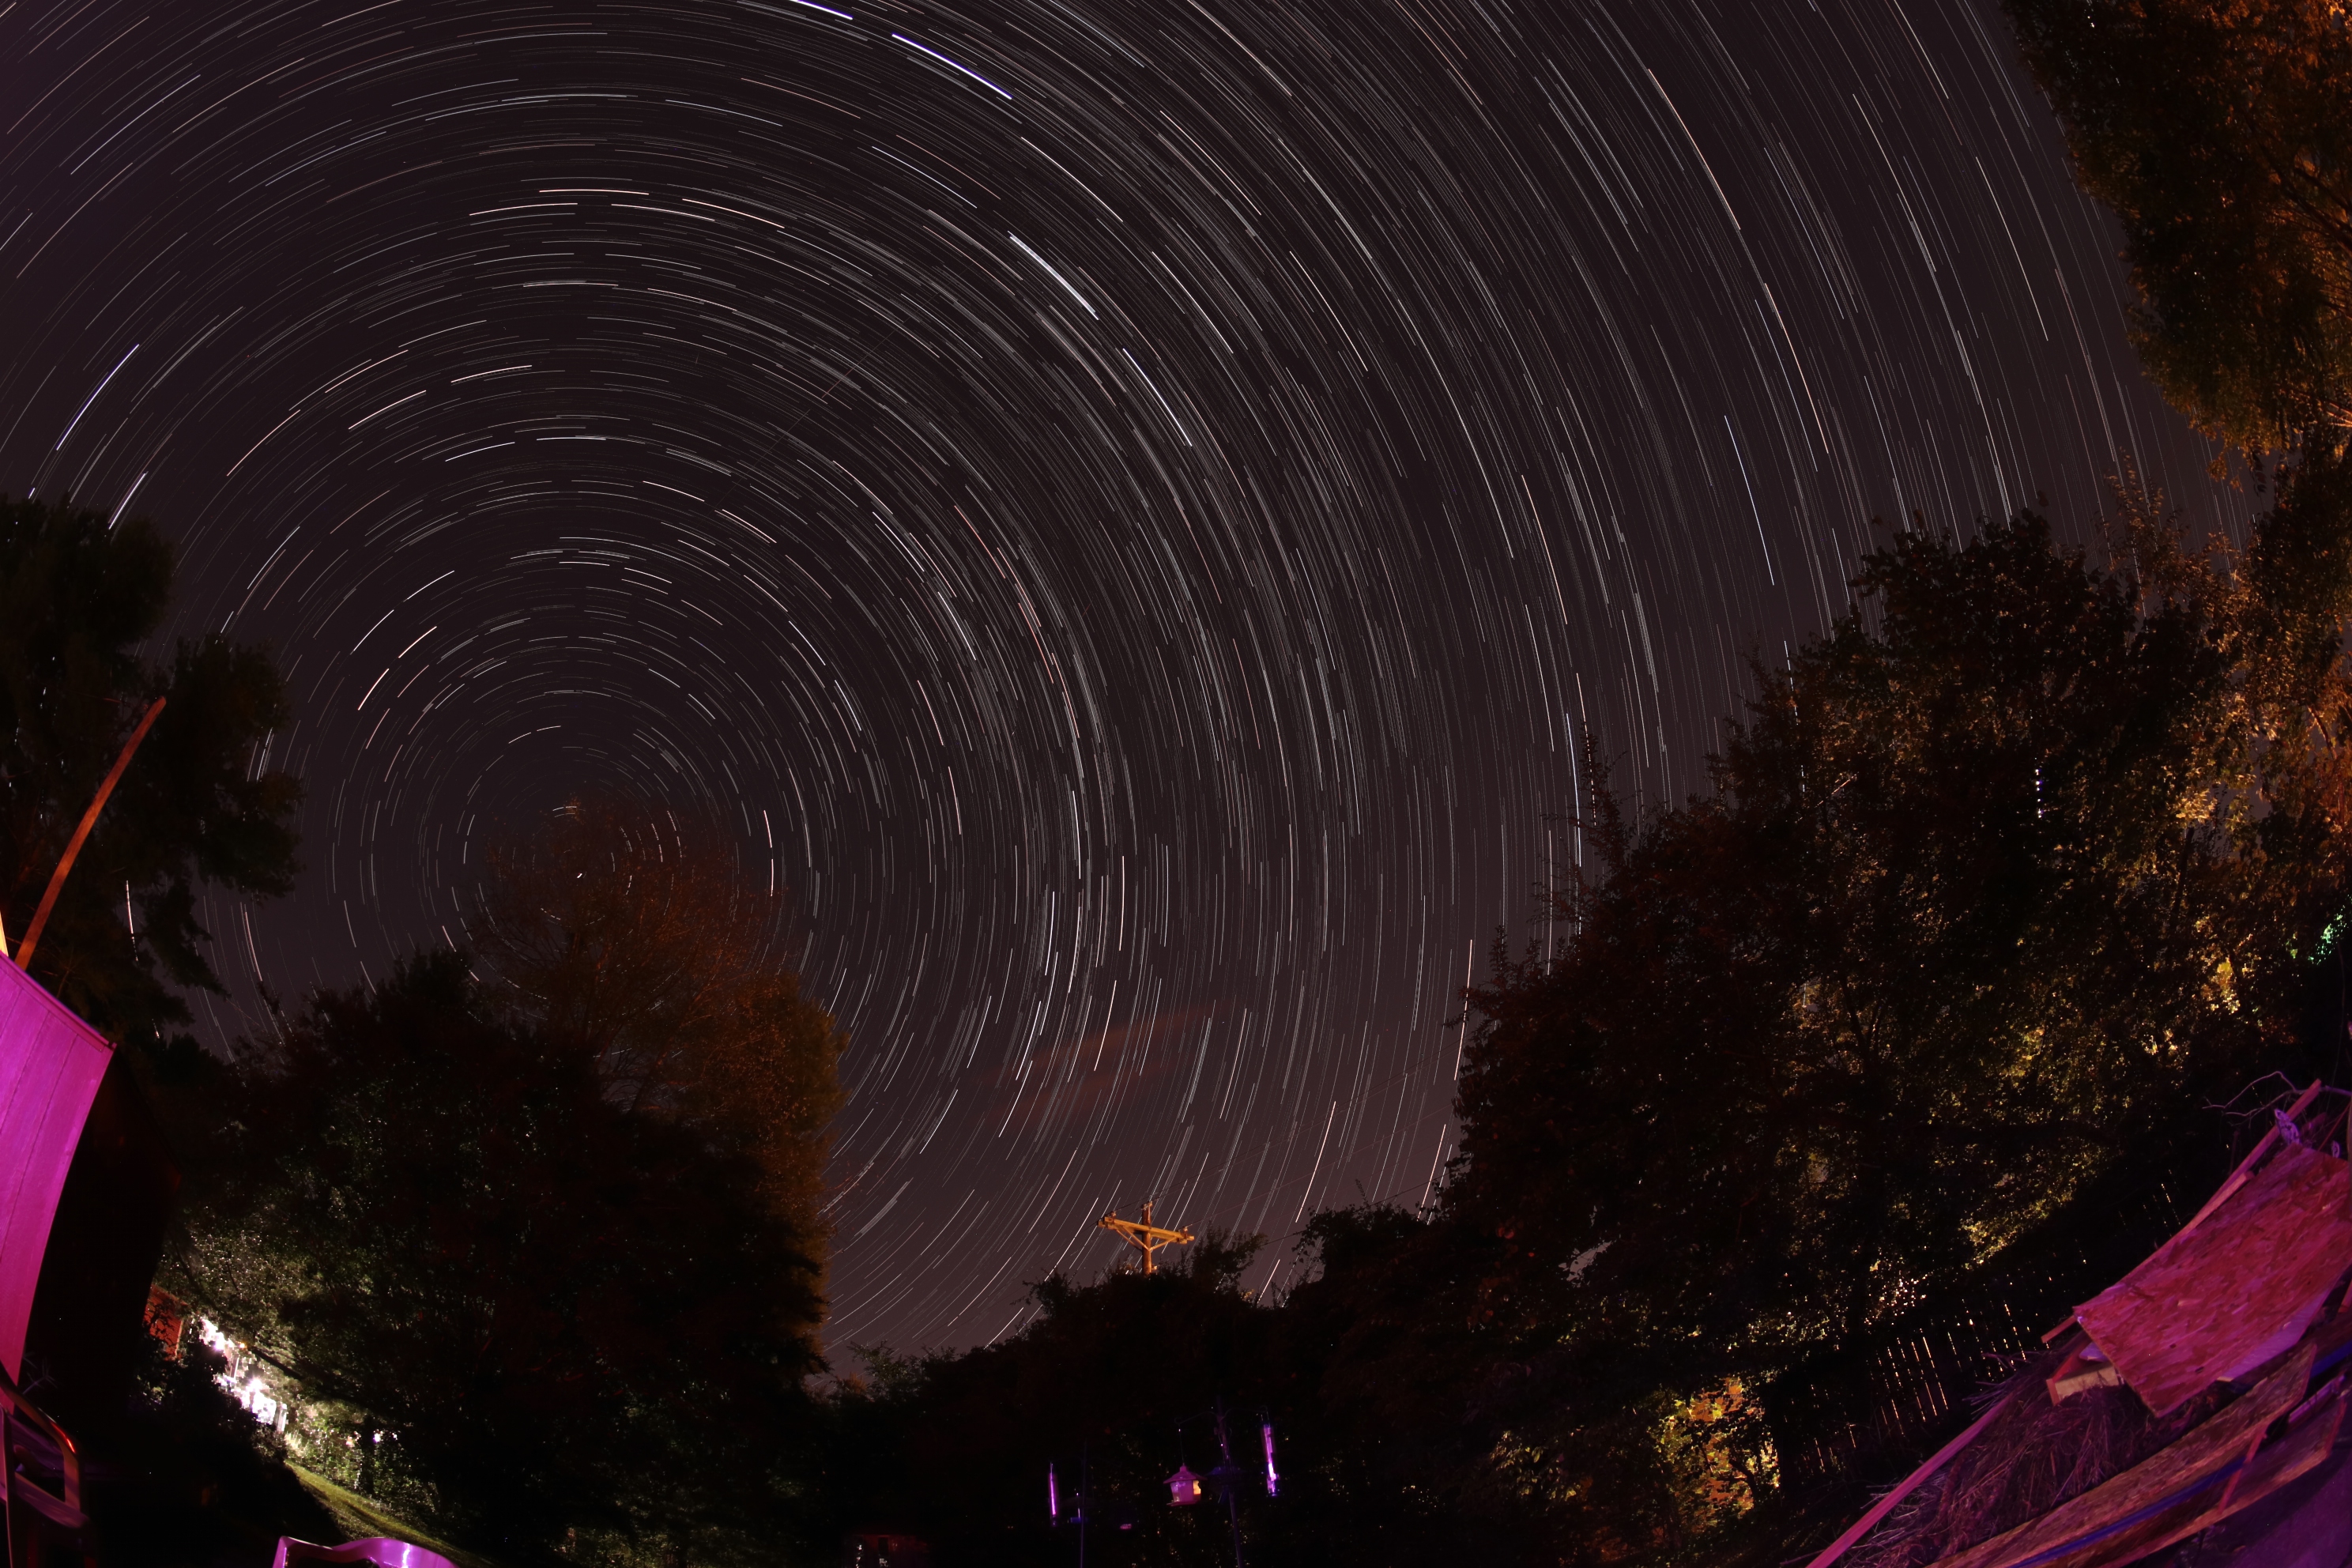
x=361, y=1518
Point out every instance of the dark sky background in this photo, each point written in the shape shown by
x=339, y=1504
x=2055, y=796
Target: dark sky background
x=1127, y=509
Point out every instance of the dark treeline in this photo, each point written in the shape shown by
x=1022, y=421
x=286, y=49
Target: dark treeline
x=2003, y=884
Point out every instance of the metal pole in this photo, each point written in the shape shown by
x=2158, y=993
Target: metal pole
x=1233, y=1483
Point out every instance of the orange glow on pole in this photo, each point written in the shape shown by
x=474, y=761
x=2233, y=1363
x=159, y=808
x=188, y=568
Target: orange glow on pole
x=88, y=821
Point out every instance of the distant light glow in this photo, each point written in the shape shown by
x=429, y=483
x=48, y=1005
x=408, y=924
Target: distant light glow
x=242, y=1378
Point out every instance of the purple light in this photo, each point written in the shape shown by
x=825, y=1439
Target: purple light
x=1053, y=1495
x=1273, y=1486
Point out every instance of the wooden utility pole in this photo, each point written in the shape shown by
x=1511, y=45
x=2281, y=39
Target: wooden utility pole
x=1143, y=1235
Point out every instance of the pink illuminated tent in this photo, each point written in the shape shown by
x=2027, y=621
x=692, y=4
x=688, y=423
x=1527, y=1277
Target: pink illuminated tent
x=50, y=1065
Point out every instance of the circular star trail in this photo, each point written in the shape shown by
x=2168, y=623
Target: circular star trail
x=1131, y=511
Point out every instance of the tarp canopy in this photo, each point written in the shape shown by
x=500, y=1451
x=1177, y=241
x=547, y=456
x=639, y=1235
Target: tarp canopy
x=2233, y=1289
x=2246, y=1293
x=50, y=1065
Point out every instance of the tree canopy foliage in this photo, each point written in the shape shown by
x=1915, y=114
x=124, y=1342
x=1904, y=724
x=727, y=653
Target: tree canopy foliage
x=1111, y=1383
x=633, y=941
x=79, y=599
x=554, y=1312
x=1114, y=1381
x=1983, y=889
x=542, y=1242
x=2217, y=131
x=2000, y=881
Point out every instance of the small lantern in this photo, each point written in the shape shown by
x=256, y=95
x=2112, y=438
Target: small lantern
x=1184, y=1488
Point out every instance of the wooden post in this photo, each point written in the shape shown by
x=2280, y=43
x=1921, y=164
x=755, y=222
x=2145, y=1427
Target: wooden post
x=88, y=821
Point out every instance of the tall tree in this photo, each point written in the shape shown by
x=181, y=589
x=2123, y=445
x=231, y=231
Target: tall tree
x=200, y=803
x=2002, y=879
x=2217, y=131
x=633, y=939
x=560, y=1315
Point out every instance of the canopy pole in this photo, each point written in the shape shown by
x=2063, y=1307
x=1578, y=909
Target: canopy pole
x=1861, y=1526
x=88, y=821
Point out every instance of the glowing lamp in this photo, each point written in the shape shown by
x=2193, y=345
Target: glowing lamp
x=1183, y=1488
x=1053, y=1496
x=1272, y=1485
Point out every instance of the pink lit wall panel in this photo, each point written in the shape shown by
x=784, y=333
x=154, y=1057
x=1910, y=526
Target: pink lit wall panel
x=50, y=1062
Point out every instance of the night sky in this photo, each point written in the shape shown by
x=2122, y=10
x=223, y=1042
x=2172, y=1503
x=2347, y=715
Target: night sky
x=1128, y=509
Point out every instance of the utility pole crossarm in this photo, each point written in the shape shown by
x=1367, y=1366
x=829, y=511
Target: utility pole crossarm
x=1143, y=1235
x=1140, y=1234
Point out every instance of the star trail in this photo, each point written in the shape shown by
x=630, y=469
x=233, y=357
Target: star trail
x=1129, y=511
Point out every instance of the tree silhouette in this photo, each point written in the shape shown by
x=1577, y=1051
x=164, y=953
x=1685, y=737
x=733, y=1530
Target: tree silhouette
x=555, y=1313
x=199, y=803
x=621, y=934
x=2000, y=882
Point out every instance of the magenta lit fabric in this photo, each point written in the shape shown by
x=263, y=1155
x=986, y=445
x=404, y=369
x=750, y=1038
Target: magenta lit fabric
x=50, y=1062
x=381, y=1551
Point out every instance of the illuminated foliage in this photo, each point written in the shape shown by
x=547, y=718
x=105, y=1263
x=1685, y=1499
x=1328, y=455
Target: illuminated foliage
x=636, y=943
x=557, y=1313
x=2217, y=131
